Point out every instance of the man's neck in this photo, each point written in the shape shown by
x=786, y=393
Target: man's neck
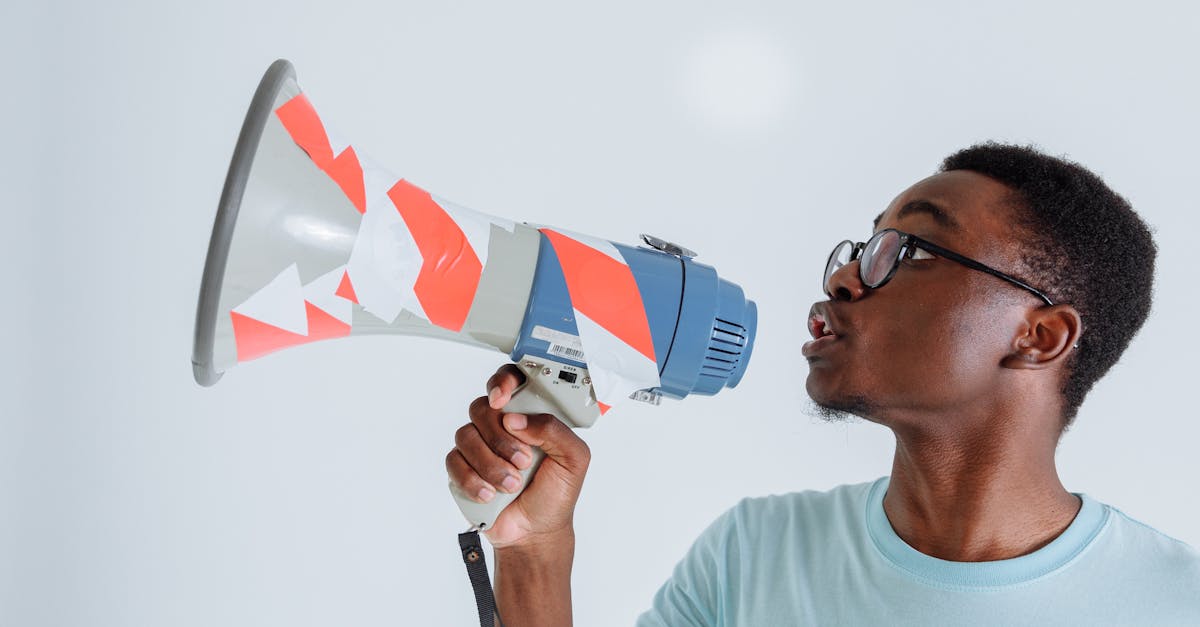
x=977, y=499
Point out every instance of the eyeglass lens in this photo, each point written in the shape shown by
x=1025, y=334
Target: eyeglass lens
x=879, y=257
x=838, y=258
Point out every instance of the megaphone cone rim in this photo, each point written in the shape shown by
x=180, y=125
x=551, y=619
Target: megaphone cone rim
x=261, y=108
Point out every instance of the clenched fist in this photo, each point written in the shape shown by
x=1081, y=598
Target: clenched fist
x=490, y=451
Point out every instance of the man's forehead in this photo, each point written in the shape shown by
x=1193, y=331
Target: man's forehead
x=954, y=201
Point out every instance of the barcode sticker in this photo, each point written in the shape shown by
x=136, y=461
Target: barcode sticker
x=566, y=351
x=561, y=343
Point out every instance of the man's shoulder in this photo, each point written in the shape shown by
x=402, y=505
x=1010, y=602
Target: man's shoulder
x=1147, y=564
x=764, y=536
x=1142, y=543
x=841, y=504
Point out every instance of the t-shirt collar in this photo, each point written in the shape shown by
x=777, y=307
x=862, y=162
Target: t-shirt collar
x=1059, y=552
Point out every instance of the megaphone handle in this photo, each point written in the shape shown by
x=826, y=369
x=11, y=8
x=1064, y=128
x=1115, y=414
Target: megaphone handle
x=543, y=392
x=483, y=515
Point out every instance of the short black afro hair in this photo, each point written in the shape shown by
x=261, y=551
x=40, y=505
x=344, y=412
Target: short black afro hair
x=1085, y=247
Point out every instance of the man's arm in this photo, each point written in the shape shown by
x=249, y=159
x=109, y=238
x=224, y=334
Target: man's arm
x=533, y=584
x=534, y=536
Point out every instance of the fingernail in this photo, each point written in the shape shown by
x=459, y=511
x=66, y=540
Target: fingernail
x=485, y=494
x=511, y=483
x=493, y=396
x=516, y=422
x=520, y=460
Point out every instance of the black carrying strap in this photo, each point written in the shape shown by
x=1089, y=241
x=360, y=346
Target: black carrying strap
x=472, y=554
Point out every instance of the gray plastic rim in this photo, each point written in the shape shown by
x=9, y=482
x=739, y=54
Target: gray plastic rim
x=260, y=110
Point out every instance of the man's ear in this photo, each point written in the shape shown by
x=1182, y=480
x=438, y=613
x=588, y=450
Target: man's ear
x=1047, y=338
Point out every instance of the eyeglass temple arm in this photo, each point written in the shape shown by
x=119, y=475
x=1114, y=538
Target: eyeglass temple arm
x=971, y=263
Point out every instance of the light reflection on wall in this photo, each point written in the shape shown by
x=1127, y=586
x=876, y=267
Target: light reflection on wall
x=738, y=81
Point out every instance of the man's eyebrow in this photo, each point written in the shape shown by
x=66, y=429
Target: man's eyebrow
x=939, y=215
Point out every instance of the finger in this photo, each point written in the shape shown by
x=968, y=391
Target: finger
x=556, y=439
x=467, y=479
x=487, y=421
x=501, y=385
x=496, y=470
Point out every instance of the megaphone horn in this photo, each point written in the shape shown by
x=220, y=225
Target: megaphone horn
x=314, y=241
x=296, y=256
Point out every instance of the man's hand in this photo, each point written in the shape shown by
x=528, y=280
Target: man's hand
x=489, y=451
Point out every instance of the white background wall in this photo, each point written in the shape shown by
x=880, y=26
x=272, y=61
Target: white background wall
x=308, y=488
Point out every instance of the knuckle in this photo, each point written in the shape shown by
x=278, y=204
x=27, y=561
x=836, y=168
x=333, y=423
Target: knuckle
x=462, y=474
x=456, y=467
x=502, y=444
x=478, y=408
x=462, y=435
x=479, y=454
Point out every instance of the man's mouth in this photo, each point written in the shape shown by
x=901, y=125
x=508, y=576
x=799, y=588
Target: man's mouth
x=821, y=329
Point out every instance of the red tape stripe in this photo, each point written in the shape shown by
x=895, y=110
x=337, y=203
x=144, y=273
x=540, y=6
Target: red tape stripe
x=604, y=290
x=255, y=339
x=303, y=124
x=450, y=269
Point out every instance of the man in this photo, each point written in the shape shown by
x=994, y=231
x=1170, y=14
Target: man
x=988, y=301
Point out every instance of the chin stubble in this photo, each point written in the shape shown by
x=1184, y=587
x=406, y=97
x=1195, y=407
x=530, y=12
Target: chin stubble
x=841, y=410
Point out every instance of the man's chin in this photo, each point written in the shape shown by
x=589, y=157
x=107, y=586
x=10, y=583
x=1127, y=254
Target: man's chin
x=841, y=409
x=832, y=403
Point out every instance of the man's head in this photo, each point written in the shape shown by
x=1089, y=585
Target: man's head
x=942, y=337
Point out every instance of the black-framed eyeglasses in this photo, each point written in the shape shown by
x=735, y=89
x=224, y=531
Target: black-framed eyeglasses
x=881, y=256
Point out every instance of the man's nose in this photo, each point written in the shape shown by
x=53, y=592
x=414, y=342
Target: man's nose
x=845, y=284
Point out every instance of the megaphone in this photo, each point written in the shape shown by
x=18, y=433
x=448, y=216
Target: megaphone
x=313, y=241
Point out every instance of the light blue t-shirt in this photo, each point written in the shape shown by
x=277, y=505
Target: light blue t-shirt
x=832, y=558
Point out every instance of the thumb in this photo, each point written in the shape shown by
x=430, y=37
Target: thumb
x=555, y=438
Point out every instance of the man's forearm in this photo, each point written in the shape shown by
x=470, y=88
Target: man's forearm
x=533, y=584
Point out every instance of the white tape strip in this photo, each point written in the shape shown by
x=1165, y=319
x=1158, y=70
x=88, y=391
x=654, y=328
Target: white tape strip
x=279, y=303
x=321, y=293
x=476, y=226
x=601, y=245
x=617, y=370
x=385, y=261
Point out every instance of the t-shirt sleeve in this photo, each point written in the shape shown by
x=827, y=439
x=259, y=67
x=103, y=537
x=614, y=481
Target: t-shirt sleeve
x=695, y=593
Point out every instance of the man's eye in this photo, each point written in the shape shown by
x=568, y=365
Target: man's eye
x=919, y=253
